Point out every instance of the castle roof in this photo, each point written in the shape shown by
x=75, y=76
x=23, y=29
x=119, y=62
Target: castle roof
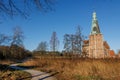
x=112, y=53
x=86, y=41
x=106, y=45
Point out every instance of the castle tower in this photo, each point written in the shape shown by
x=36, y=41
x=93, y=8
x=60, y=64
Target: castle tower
x=96, y=48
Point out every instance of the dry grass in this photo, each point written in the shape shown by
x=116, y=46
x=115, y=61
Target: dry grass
x=78, y=69
x=11, y=74
x=14, y=75
x=8, y=62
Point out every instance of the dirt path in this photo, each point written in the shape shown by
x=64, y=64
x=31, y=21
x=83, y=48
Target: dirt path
x=36, y=75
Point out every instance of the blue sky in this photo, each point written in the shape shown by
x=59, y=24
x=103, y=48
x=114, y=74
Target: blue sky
x=67, y=15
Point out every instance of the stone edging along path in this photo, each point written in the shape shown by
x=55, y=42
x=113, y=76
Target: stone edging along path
x=35, y=75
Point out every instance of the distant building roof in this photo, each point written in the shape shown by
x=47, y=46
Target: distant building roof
x=106, y=45
x=112, y=53
x=86, y=41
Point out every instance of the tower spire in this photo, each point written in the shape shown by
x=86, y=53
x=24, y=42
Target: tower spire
x=94, y=16
x=95, y=27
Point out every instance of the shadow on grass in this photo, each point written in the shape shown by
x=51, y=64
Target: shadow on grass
x=27, y=67
x=49, y=76
x=32, y=76
x=5, y=67
x=20, y=67
x=40, y=75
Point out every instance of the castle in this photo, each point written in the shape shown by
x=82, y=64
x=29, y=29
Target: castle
x=96, y=47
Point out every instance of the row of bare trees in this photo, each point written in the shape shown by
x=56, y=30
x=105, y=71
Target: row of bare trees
x=54, y=45
x=11, y=47
x=72, y=43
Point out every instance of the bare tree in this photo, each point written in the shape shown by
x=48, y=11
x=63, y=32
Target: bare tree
x=54, y=42
x=22, y=7
x=73, y=42
x=67, y=42
x=78, y=40
x=18, y=37
x=42, y=46
x=4, y=39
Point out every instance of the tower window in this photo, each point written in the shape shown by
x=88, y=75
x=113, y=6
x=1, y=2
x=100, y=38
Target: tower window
x=94, y=29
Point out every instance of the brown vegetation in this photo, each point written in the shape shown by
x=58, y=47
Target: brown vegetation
x=7, y=73
x=77, y=69
x=14, y=75
x=13, y=52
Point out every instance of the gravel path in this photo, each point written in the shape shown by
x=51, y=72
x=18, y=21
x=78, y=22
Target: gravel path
x=36, y=75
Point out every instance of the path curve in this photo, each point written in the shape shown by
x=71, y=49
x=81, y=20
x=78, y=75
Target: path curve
x=35, y=75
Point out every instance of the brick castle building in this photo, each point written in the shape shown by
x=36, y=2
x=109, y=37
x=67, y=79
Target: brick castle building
x=96, y=47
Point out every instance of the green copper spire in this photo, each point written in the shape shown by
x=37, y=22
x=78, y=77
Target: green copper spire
x=95, y=27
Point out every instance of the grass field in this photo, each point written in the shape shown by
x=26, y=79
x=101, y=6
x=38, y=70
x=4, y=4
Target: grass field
x=11, y=74
x=77, y=69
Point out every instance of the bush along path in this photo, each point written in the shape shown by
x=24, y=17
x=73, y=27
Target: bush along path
x=35, y=75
